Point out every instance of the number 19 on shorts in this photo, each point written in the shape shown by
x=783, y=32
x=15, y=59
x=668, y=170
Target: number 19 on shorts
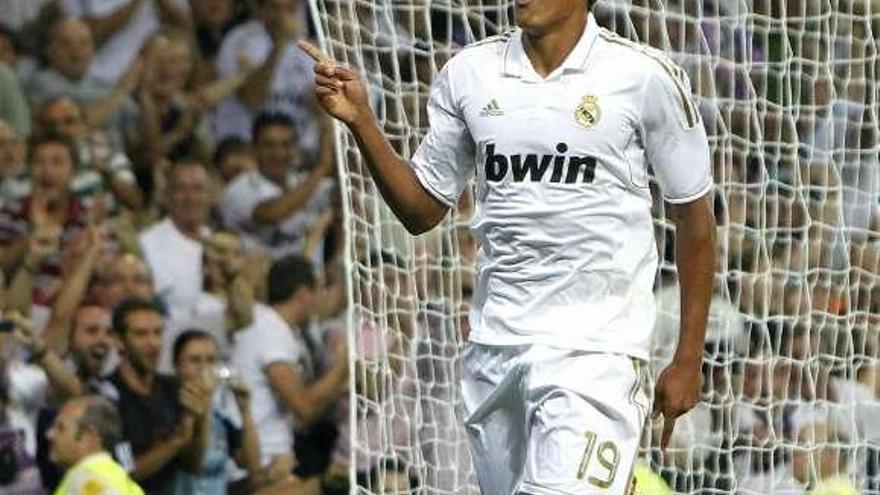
x=599, y=470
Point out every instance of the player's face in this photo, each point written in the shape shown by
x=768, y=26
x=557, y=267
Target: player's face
x=542, y=16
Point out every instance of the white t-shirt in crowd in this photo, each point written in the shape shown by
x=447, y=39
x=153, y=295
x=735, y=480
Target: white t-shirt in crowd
x=115, y=56
x=291, y=92
x=248, y=190
x=563, y=219
x=176, y=263
x=269, y=340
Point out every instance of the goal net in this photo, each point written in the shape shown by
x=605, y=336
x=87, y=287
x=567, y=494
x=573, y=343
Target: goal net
x=787, y=94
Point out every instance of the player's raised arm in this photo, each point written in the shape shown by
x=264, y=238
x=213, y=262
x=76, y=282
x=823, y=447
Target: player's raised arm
x=343, y=95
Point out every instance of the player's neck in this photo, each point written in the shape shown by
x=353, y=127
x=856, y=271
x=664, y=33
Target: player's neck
x=548, y=48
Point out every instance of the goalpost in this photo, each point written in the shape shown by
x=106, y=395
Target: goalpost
x=787, y=93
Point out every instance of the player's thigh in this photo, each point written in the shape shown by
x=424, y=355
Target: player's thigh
x=586, y=413
x=492, y=411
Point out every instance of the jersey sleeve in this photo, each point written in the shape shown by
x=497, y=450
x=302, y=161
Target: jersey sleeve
x=444, y=161
x=674, y=138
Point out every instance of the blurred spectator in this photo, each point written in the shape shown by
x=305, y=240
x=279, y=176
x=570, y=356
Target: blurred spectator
x=17, y=13
x=91, y=343
x=392, y=475
x=233, y=157
x=164, y=120
x=233, y=432
x=275, y=205
x=8, y=46
x=88, y=360
x=75, y=349
x=121, y=27
x=69, y=55
x=122, y=277
x=18, y=470
x=101, y=169
x=13, y=174
x=819, y=461
x=276, y=361
x=282, y=81
x=213, y=19
x=49, y=217
x=13, y=104
x=83, y=436
x=165, y=421
x=646, y=481
x=224, y=306
x=385, y=412
x=172, y=247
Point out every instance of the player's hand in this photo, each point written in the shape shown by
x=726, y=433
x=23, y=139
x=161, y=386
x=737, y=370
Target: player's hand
x=339, y=89
x=677, y=391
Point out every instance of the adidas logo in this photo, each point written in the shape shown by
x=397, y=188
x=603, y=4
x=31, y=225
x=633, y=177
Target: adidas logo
x=492, y=110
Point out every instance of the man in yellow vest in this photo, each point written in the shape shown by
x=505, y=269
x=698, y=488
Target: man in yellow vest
x=83, y=433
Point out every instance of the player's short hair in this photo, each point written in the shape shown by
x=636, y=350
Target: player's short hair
x=38, y=140
x=270, y=119
x=101, y=416
x=129, y=306
x=288, y=275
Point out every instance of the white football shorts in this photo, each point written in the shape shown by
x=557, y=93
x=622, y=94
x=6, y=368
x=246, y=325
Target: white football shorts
x=548, y=421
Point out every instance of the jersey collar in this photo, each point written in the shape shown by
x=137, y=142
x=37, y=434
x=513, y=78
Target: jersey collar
x=516, y=63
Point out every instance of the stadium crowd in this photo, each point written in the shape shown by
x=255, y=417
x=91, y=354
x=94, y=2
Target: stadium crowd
x=169, y=237
x=171, y=242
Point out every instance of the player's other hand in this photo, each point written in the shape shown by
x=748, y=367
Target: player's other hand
x=339, y=89
x=677, y=391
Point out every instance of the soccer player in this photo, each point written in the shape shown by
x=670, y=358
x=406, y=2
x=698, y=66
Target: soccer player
x=559, y=121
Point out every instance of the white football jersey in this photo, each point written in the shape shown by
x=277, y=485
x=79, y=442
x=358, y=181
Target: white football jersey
x=567, y=255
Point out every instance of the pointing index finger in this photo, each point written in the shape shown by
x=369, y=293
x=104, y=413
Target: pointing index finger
x=668, y=426
x=314, y=52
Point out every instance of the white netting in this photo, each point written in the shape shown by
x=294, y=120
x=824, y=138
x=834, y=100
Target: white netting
x=788, y=97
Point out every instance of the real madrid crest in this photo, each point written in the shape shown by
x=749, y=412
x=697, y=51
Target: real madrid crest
x=588, y=112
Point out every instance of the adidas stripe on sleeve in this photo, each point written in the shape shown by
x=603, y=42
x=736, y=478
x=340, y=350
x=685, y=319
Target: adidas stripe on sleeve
x=674, y=138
